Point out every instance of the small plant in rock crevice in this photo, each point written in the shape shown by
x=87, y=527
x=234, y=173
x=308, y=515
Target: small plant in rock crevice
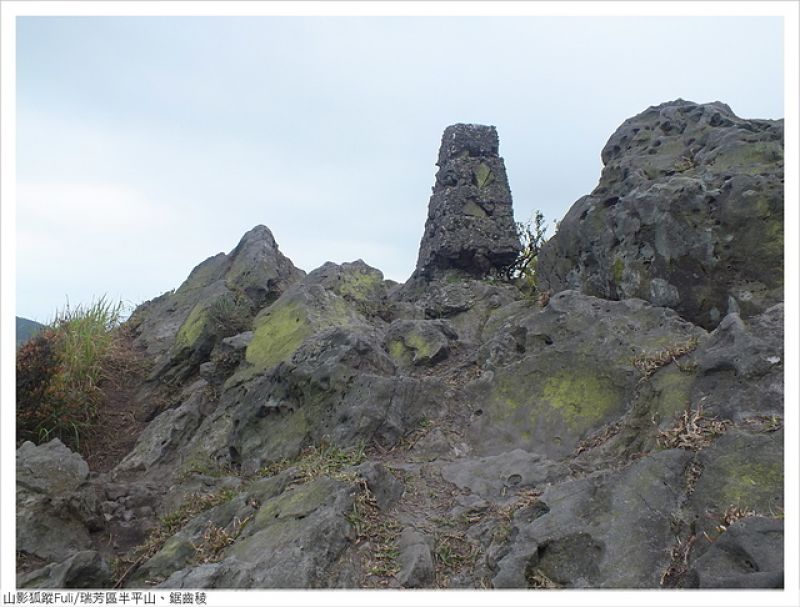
x=216, y=539
x=168, y=526
x=648, y=364
x=523, y=272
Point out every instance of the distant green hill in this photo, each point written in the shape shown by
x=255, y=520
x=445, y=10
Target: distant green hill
x=27, y=329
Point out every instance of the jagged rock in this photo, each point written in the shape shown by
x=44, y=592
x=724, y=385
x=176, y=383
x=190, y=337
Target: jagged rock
x=607, y=530
x=740, y=470
x=740, y=368
x=160, y=443
x=290, y=542
x=415, y=560
x=470, y=224
x=218, y=299
x=494, y=476
x=466, y=392
x=53, y=493
x=465, y=303
x=315, y=367
x=85, y=569
x=688, y=214
x=419, y=342
x=385, y=488
x=569, y=370
x=748, y=555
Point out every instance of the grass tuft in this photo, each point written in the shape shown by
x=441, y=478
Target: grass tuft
x=60, y=372
x=648, y=364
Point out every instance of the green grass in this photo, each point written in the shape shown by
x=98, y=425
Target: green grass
x=59, y=372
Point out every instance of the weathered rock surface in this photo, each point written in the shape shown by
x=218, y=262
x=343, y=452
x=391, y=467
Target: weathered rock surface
x=554, y=376
x=748, y=555
x=217, y=300
x=336, y=430
x=470, y=224
x=688, y=214
x=415, y=560
x=87, y=569
x=53, y=493
x=605, y=530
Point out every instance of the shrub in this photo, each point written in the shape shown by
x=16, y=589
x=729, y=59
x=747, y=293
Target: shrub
x=532, y=238
x=231, y=314
x=59, y=372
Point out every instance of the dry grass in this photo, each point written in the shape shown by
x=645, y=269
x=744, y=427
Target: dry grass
x=216, y=539
x=537, y=579
x=679, y=564
x=168, y=526
x=732, y=514
x=314, y=462
x=451, y=553
x=692, y=430
x=648, y=364
x=599, y=438
x=379, y=530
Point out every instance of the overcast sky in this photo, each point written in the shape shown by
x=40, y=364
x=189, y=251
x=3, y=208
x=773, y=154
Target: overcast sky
x=145, y=145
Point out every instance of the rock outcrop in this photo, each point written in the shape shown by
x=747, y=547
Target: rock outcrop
x=470, y=224
x=688, y=214
x=336, y=430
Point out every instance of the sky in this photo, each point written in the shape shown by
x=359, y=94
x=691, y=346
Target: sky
x=147, y=144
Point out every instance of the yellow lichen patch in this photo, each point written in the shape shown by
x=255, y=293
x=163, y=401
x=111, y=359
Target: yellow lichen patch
x=360, y=286
x=398, y=352
x=278, y=335
x=422, y=348
x=192, y=327
x=752, y=483
x=582, y=398
x=672, y=389
x=483, y=175
x=471, y=208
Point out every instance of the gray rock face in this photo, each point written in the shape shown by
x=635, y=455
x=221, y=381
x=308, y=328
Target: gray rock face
x=415, y=561
x=606, y=530
x=290, y=542
x=87, y=569
x=491, y=476
x=470, y=224
x=217, y=300
x=53, y=494
x=553, y=376
x=688, y=214
x=748, y=555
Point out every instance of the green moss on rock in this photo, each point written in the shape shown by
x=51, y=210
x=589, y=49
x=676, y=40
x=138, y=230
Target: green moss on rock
x=278, y=335
x=582, y=397
x=193, y=327
x=619, y=266
x=360, y=286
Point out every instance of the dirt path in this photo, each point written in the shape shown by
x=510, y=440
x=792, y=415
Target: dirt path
x=123, y=415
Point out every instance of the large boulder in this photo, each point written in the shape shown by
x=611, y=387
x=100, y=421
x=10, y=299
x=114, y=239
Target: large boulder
x=218, y=299
x=85, y=569
x=553, y=376
x=317, y=366
x=688, y=214
x=470, y=224
x=607, y=530
x=53, y=493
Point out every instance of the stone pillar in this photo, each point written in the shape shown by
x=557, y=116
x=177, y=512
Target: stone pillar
x=470, y=224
